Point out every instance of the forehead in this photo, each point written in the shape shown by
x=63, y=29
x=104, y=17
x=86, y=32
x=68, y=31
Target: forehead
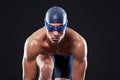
x=56, y=24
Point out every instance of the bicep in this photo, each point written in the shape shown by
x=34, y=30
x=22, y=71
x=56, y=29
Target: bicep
x=29, y=64
x=80, y=61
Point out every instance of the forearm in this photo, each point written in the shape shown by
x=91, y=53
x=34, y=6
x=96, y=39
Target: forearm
x=79, y=70
x=28, y=79
x=29, y=69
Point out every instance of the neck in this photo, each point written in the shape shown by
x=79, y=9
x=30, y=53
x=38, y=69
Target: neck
x=55, y=45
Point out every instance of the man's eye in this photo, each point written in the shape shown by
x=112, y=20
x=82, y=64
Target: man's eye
x=50, y=26
x=60, y=27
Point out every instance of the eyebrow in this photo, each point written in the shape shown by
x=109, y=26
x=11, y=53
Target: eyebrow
x=57, y=26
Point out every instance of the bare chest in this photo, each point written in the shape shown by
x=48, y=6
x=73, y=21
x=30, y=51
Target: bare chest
x=65, y=51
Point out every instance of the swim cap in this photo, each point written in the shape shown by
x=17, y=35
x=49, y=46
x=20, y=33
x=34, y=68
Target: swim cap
x=56, y=15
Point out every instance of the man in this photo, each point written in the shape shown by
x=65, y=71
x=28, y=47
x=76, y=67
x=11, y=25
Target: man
x=56, y=50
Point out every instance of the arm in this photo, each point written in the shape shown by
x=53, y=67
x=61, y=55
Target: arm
x=29, y=65
x=29, y=69
x=80, y=61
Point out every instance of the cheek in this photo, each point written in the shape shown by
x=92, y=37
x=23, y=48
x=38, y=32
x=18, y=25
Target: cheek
x=49, y=34
x=62, y=34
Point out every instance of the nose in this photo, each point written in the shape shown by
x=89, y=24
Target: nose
x=55, y=33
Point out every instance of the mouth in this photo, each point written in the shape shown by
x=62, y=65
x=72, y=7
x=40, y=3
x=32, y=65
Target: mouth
x=55, y=39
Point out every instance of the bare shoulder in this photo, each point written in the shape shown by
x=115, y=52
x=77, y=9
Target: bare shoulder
x=76, y=37
x=33, y=44
x=79, y=45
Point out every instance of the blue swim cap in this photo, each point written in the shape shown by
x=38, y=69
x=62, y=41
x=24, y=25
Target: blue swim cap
x=56, y=15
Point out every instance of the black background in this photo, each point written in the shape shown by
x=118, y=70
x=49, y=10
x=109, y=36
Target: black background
x=96, y=20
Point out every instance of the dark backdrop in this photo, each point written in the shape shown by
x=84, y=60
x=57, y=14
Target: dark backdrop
x=96, y=20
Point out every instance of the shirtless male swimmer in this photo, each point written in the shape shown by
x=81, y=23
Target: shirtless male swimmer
x=58, y=51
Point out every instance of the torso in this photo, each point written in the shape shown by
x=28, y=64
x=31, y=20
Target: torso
x=65, y=48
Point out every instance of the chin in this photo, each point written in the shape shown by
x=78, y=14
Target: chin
x=54, y=42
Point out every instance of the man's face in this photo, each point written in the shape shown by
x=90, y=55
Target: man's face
x=55, y=36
